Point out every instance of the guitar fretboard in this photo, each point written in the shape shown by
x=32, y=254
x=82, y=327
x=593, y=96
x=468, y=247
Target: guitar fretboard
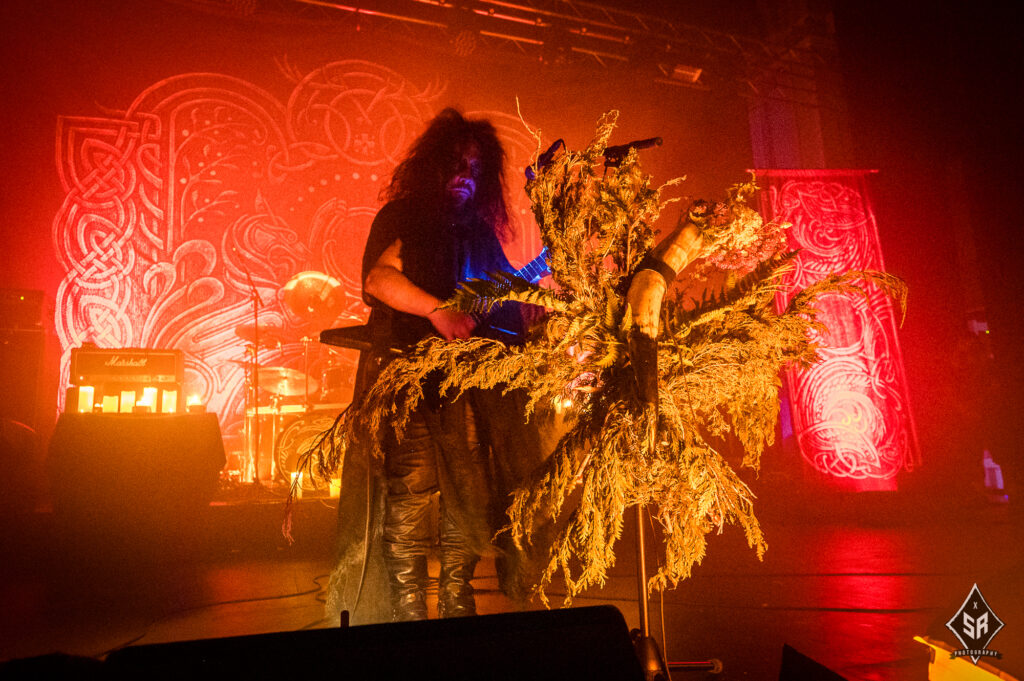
x=535, y=270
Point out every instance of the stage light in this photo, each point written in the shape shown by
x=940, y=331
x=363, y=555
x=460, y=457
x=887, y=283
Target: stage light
x=686, y=74
x=678, y=74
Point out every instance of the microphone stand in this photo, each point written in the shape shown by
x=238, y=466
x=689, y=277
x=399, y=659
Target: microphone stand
x=651, y=659
x=646, y=648
x=647, y=651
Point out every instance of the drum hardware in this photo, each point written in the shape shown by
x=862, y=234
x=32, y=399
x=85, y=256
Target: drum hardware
x=251, y=430
x=285, y=382
x=282, y=383
x=281, y=424
x=316, y=297
x=267, y=335
x=295, y=440
x=336, y=378
x=305, y=369
x=281, y=410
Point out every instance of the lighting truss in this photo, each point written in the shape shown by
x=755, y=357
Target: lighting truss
x=573, y=31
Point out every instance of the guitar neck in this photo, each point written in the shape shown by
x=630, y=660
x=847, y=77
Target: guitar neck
x=535, y=270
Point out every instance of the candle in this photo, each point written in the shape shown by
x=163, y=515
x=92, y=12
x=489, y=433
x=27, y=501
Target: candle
x=109, y=404
x=85, y=398
x=169, y=403
x=148, y=398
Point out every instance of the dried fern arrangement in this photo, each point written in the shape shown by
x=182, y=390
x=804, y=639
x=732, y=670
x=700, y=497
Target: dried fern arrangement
x=719, y=365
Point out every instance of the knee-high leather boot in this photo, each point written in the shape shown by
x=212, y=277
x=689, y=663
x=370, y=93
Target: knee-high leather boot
x=406, y=540
x=455, y=591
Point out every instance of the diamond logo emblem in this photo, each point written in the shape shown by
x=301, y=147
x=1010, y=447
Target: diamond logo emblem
x=975, y=625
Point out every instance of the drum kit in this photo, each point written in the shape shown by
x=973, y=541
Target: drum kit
x=288, y=402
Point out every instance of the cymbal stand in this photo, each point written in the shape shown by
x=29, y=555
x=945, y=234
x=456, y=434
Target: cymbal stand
x=306, y=406
x=252, y=437
x=275, y=433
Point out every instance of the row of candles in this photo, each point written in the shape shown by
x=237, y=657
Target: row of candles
x=130, y=402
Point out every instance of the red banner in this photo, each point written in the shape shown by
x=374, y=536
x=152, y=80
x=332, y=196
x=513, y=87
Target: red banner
x=851, y=412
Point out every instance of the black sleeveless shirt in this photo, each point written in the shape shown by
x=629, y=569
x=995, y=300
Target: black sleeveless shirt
x=437, y=252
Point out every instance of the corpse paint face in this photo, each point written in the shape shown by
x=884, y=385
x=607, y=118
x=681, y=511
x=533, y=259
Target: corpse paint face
x=461, y=187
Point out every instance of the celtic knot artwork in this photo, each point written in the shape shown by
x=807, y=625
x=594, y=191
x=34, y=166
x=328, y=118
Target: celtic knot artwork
x=851, y=413
x=207, y=190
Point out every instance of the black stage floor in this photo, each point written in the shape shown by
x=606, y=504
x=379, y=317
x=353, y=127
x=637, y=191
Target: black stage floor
x=847, y=584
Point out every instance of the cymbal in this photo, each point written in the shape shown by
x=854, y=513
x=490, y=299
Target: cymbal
x=314, y=296
x=268, y=335
x=285, y=381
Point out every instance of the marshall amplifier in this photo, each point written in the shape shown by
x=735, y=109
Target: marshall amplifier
x=126, y=380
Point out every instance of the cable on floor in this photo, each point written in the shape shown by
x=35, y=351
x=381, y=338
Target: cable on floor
x=236, y=601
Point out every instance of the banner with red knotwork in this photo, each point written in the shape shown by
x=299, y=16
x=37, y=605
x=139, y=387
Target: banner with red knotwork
x=208, y=192
x=851, y=412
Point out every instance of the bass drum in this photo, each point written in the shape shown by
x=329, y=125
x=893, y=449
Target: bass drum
x=297, y=439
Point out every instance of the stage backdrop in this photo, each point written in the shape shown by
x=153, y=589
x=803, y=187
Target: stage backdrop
x=198, y=153
x=207, y=187
x=851, y=412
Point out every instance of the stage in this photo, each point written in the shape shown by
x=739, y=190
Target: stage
x=197, y=180
x=849, y=586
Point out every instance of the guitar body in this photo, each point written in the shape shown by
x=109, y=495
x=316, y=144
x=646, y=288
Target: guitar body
x=508, y=322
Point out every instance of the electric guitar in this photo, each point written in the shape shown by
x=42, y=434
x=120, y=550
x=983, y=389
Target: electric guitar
x=536, y=269
x=361, y=337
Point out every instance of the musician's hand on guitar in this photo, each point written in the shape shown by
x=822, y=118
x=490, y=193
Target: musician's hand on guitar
x=452, y=323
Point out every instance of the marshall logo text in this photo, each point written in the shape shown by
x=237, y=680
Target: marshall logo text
x=119, y=361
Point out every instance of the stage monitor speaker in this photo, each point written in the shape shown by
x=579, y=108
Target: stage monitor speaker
x=590, y=643
x=798, y=667
x=133, y=478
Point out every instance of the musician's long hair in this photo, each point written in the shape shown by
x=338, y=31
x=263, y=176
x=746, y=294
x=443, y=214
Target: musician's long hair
x=434, y=158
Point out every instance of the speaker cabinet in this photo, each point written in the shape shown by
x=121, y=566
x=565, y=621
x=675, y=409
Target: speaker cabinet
x=125, y=480
x=21, y=362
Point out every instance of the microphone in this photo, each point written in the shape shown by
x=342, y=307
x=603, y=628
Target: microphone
x=614, y=155
x=543, y=159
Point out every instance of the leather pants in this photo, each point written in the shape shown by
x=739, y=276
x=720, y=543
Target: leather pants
x=412, y=477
